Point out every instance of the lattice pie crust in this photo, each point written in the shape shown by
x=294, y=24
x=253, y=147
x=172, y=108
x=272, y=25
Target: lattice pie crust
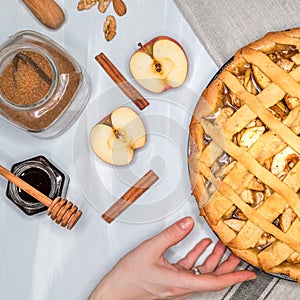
x=245, y=150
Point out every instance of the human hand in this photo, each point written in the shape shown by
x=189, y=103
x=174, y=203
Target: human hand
x=145, y=274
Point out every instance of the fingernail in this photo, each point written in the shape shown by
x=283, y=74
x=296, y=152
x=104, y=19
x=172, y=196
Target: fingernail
x=185, y=223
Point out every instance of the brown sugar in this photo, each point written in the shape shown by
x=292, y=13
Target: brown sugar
x=67, y=79
x=26, y=79
x=42, y=87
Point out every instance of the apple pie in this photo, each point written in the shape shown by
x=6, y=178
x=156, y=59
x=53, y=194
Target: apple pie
x=245, y=150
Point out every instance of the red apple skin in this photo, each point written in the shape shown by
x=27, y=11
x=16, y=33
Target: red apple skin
x=160, y=37
x=149, y=46
x=106, y=120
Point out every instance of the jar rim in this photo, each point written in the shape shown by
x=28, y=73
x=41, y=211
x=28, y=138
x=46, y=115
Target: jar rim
x=27, y=165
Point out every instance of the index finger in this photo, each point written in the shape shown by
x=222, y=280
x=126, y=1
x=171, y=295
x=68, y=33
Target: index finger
x=169, y=236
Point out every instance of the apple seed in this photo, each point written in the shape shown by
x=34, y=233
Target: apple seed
x=158, y=67
x=120, y=135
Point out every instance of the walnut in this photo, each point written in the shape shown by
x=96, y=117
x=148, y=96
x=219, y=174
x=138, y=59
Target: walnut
x=110, y=27
x=103, y=5
x=86, y=4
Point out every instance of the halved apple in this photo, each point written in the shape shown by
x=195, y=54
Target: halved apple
x=115, y=138
x=159, y=65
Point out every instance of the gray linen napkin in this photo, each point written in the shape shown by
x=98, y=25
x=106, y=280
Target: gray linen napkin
x=224, y=26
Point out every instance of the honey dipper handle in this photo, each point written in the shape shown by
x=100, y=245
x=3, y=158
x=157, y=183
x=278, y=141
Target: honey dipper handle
x=48, y=12
x=25, y=186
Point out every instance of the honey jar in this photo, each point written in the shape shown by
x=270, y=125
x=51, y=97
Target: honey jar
x=42, y=174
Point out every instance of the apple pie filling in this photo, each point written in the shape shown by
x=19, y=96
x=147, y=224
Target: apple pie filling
x=254, y=81
x=245, y=152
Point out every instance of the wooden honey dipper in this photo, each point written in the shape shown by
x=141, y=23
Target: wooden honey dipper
x=60, y=210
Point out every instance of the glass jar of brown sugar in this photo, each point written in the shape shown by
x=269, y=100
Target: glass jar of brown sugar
x=42, y=88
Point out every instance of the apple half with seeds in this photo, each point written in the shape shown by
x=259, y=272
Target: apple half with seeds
x=159, y=65
x=115, y=138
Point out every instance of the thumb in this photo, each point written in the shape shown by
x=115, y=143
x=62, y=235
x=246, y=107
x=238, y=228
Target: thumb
x=171, y=235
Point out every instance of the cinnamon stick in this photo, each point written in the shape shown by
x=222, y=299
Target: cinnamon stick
x=130, y=196
x=121, y=81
